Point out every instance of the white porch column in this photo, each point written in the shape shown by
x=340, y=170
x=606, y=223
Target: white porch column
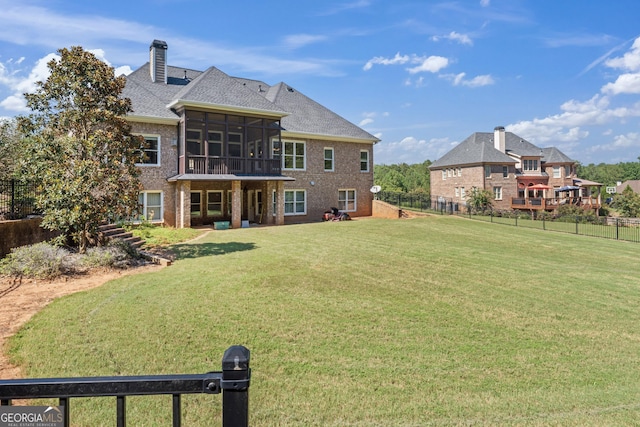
x=236, y=204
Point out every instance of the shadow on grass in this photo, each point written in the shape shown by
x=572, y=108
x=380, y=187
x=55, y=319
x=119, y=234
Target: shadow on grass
x=183, y=251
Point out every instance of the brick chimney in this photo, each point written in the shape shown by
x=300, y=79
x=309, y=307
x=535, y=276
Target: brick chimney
x=158, y=61
x=499, y=139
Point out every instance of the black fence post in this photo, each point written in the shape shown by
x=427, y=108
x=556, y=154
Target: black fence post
x=617, y=228
x=235, y=387
x=13, y=200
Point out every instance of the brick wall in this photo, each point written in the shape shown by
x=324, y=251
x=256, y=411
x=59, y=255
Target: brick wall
x=322, y=186
x=22, y=232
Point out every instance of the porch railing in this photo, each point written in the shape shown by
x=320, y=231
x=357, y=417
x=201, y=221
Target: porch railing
x=232, y=165
x=232, y=382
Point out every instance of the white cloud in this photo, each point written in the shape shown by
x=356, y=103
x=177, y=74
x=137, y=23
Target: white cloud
x=456, y=37
x=432, y=64
x=627, y=141
x=485, y=3
x=366, y=121
x=625, y=83
x=630, y=61
x=381, y=60
x=296, y=41
x=411, y=150
x=125, y=70
x=477, y=81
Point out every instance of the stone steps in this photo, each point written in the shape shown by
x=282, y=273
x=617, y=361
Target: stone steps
x=112, y=231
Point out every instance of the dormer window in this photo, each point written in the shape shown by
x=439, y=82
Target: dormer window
x=530, y=165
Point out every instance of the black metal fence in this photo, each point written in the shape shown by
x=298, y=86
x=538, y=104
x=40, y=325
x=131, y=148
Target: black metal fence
x=17, y=199
x=627, y=229
x=232, y=382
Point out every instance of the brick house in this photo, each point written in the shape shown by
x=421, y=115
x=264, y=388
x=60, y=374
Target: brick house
x=518, y=174
x=240, y=150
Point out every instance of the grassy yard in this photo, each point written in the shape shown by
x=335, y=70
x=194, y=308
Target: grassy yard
x=431, y=321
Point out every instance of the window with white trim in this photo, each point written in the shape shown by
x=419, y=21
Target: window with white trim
x=150, y=203
x=364, y=161
x=347, y=200
x=214, y=203
x=293, y=157
x=487, y=171
x=457, y=192
x=444, y=174
x=497, y=193
x=459, y=171
x=462, y=193
x=556, y=172
x=151, y=151
x=196, y=204
x=328, y=159
x=295, y=202
x=530, y=165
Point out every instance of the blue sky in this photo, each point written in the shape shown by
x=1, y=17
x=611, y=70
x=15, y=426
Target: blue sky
x=420, y=75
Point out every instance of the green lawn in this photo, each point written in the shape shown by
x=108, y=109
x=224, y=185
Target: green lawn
x=430, y=321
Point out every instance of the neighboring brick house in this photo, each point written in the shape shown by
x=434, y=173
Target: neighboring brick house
x=227, y=148
x=519, y=174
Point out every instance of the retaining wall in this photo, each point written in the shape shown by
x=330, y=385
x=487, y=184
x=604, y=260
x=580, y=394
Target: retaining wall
x=20, y=233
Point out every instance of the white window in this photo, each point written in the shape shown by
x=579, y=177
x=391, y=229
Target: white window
x=294, y=155
x=150, y=205
x=455, y=172
x=556, y=171
x=196, y=204
x=497, y=193
x=530, y=165
x=449, y=173
x=444, y=174
x=295, y=202
x=347, y=200
x=457, y=192
x=462, y=193
x=328, y=159
x=567, y=171
x=214, y=203
x=459, y=171
x=364, y=161
x=151, y=151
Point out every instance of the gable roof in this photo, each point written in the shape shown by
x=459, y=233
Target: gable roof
x=553, y=155
x=212, y=89
x=479, y=148
x=633, y=183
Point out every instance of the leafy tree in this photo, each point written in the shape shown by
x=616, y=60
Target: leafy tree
x=479, y=200
x=79, y=146
x=9, y=149
x=627, y=202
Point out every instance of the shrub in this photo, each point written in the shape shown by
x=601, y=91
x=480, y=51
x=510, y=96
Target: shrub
x=41, y=260
x=116, y=254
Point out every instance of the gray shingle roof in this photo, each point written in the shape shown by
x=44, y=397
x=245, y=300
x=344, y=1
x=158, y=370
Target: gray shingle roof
x=479, y=148
x=553, y=155
x=215, y=89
